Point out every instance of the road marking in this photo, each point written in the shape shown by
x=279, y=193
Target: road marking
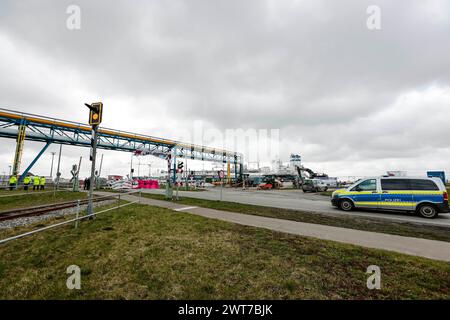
x=184, y=208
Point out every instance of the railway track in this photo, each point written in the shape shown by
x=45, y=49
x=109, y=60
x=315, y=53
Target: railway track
x=39, y=210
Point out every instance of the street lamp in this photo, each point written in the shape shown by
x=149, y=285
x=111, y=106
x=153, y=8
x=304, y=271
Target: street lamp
x=139, y=166
x=51, y=169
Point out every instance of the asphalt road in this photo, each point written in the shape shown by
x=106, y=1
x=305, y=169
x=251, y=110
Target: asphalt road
x=297, y=200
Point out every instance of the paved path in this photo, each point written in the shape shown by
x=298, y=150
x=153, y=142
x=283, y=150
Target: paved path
x=438, y=250
x=297, y=200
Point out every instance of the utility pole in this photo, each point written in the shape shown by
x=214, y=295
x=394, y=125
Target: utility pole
x=131, y=167
x=101, y=164
x=95, y=118
x=221, y=178
x=168, y=185
x=99, y=173
x=139, y=167
x=58, y=174
x=51, y=169
x=186, y=176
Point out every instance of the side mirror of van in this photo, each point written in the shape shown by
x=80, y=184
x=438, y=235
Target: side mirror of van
x=358, y=189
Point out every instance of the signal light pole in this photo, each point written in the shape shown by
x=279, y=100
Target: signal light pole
x=92, y=158
x=95, y=118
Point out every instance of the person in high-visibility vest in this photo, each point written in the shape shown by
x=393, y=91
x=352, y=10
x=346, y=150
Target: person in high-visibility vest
x=42, y=182
x=12, y=182
x=36, y=182
x=26, y=182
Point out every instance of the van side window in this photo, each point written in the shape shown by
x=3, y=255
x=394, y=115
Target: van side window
x=422, y=184
x=368, y=185
x=395, y=184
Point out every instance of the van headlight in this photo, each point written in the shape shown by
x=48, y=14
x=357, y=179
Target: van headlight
x=336, y=193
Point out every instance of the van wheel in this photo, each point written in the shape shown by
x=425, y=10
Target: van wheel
x=427, y=211
x=346, y=205
x=304, y=191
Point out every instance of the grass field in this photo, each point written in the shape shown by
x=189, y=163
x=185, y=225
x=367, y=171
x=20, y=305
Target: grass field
x=326, y=193
x=7, y=191
x=36, y=199
x=143, y=252
x=362, y=223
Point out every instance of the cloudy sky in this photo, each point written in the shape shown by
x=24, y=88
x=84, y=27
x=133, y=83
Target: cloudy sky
x=350, y=100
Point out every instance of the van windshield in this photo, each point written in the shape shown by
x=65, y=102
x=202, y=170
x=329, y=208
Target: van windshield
x=367, y=185
x=354, y=184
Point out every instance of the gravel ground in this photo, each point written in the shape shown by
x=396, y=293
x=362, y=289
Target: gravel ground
x=19, y=222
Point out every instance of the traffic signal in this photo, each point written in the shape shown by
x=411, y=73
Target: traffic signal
x=95, y=113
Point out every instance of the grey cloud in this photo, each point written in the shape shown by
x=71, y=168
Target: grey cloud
x=306, y=67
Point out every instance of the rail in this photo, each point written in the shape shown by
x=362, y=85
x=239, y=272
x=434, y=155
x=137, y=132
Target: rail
x=38, y=210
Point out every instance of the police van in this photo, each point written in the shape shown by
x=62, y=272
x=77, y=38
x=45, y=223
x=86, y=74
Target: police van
x=426, y=196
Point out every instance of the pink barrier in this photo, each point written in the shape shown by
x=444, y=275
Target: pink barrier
x=148, y=184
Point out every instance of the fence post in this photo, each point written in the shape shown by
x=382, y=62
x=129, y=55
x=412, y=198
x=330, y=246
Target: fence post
x=78, y=213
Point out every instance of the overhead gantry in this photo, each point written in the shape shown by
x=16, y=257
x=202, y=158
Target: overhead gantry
x=25, y=126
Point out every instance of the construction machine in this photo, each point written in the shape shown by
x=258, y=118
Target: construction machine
x=311, y=175
x=270, y=182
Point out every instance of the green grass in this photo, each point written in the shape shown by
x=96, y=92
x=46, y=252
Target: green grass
x=7, y=191
x=36, y=199
x=361, y=223
x=143, y=252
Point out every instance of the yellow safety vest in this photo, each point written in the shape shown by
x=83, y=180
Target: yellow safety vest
x=27, y=180
x=13, y=180
x=42, y=181
x=36, y=181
